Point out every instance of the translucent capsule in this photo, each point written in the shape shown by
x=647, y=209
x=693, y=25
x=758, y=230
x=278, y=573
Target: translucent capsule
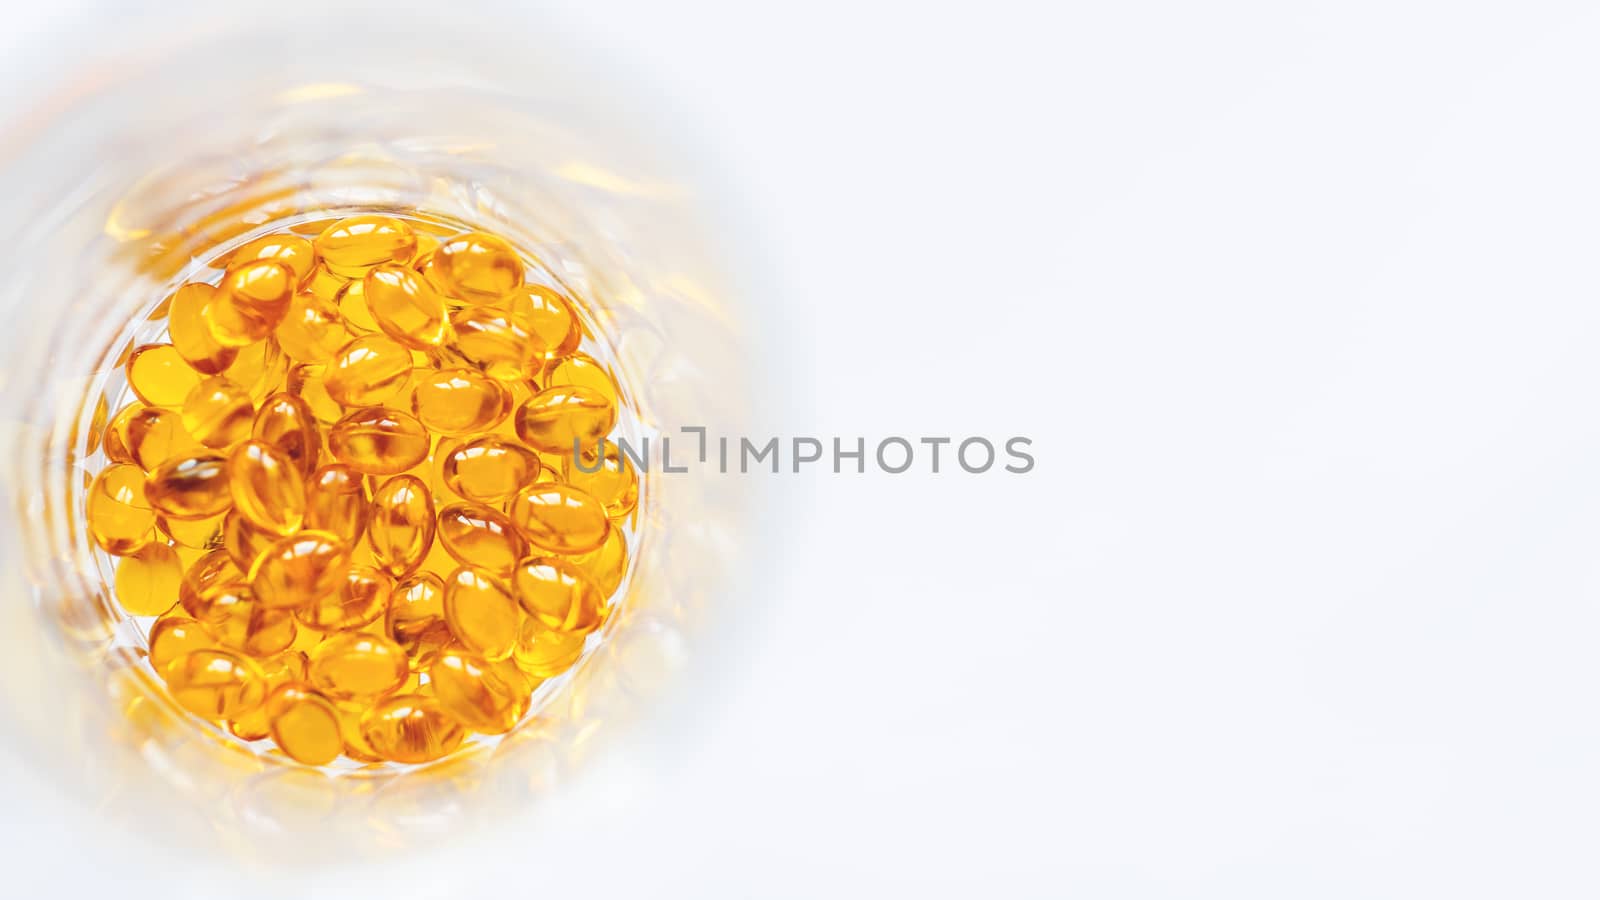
x=549, y=317
x=459, y=401
x=120, y=518
x=400, y=528
x=189, y=333
x=606, y=565
x=245, y=541
x=484, y=696
x=611, y=479
x=353, y=246
x=250, y=302
x=189, y=487
x=415, y=619
x=291, y=250
x=259, y=369
x=115, y=441
x=405, y=306
x=379, y=441
x=300, y=569
x=361, y=600
x=559, y=518
x=481, y=612
x=583, y=370
x=211, y=569
x=558, y=594
x=356, y=664
x=277, y=671
x=477, y=535
x=231, y=613
x=353, y=309
x=558, y=418
x=489, y=470
x=368, y=371
x=286, y=422
x=267, y=487
x=218, y=413
x=324, y=284
x=543, y=653
x=313, y=330
x=476, y=267
x=496, y=340
x=148, y=436
x=147, y=582
x=173, y=637
x=306, y=383
x=194, y=534
x=305, y=724
x=410, y=728
x=214, y=683
x=337, y=501
x=160, y=376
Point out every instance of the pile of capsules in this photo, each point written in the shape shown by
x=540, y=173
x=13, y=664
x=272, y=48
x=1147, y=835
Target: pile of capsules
x=348, y=494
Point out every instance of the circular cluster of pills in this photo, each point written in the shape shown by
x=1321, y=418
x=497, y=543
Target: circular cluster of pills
x=346, y=490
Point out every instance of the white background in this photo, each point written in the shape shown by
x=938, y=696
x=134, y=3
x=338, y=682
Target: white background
x=1299, y=305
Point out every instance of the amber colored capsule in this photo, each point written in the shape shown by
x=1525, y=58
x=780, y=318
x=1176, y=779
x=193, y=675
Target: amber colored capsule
x=189, y=333
x=324, y=284
x=160, y=376
x=279, y=670
x=114, y=441
x=267, y=487
x=291, y=250
x=583, y=370
x=489, y=470
x=543, y=653
x=361, y=600
x=557, y=419
x=459, y=401
x=120, y=516
x=410, y=728
x=244, y=541
x=251, y=300
x=484, y=696
x=218, y=413
x=611, y=479
x=477, y=535
x=405, y=306
x=559, y=518
x=337, y=500
x=481, y=612
x=353, y=310
x=175, y=636
x=400, y=527
x=368, y=371
x=231, y=613
x=353, y=246
x=260, y=369
x=476, y=267
x=497, y=340
x=354, y=664
x=558, y=594
x=415, y=619
x=214, y=683
x=286, y=422
x=212, y=569
x=606, y=565
x=306, y=383
x=147, y=582
x=312, y=331
x=148, y=435
x=300, y=569
x=194, y=534
x=379, y=441
x=189, y=487
x=305, y=724
x=549, y=317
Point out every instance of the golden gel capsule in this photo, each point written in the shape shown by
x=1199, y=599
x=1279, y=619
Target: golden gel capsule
x=175, y=636
x=337, y=500
x=190, y=336
x=194, y=534
x=300, y=569
x=260, y=369
x=351, y=247
x=583, y=370
x=114, y=441
x=286, y=422
x=400, y=527
x=244, y=541
x=267, y=487
x=149, y=435
x=559, y=518
x=379, y=441
x=291, y=250
x=306, y=383
x=542, y=653
x=496, y=340
x=481, y=612
x=312, y=331
x=415, y=619
x=277, y=671
x=489, y=470
x=239, y=622
x=147, y=582
x=477, y=535
x=353, y=310
x=218, y=413
x=216, y=567
x=160, y=376
x=410, y=728
x=356, y=664
x=613, y=480
x=548, y=315
x=558, y=594
x=305, y=724
x=405, y=306
x=361, y=600
x=459, y=401
x=368, y=371
x=120, y=517
x=189, y=487
x=216, y=684
x=324, y=284
x=250, y=302
x=476, y=267
x=485, y=697
x=556, y=418
x=607, y=565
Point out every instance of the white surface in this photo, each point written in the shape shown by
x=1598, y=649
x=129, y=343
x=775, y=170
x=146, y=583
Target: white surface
x=1299, y=305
